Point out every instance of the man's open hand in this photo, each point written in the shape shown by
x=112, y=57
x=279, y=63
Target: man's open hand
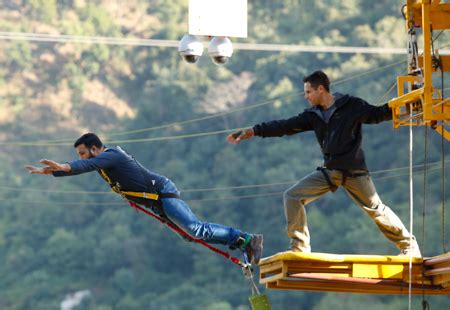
x=50, y=167
x=55, y=166
x=36, y=170
x=244, y=134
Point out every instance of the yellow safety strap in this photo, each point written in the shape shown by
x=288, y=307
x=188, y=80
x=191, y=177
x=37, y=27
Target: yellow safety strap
x=142, y=195
x=116, y=189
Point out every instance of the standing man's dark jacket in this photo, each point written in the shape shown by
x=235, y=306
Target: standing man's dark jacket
x=122, y=169
x=340, y=138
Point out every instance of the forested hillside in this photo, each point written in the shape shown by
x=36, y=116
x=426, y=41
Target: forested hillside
x=67, y=235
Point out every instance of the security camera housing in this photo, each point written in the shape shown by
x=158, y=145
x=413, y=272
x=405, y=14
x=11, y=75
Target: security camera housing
x=190, y=48
x=220, y=50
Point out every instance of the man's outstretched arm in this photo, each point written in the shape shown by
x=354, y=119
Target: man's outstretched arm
x=276, y=128
x=371, y=114
x=51, y=166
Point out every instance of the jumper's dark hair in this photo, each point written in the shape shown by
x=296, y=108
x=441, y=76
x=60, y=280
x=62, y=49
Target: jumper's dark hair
x=89, y=139
x=318, y=78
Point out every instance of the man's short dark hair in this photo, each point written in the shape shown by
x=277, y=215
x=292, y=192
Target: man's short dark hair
x=89, y=139
x=318, y=78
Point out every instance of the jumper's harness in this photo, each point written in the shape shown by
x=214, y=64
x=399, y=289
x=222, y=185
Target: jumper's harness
x=345, y=174
x=157, y=198
x=258, y=300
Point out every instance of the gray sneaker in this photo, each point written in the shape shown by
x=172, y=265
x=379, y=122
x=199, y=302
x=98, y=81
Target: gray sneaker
x=254, y=249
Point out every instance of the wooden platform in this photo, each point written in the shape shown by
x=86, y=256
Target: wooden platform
x=373, y=274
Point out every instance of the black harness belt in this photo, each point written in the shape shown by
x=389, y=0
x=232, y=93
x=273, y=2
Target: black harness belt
x=345, y=174
x=333, y=187
x=152, y=196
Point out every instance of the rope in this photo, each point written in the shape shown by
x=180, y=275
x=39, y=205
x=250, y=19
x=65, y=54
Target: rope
x=21, y=189
x=381, y=99
x=227, y=255
x=70, y=141
x=62, y=38
x=444, y=249
x=423, y=209
x=443, y=165
x=411, y=209
x=251, y=106
x=206, y=117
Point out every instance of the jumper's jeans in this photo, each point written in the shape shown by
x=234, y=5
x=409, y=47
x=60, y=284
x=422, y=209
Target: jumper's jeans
x=181, y=215
x=363, y=193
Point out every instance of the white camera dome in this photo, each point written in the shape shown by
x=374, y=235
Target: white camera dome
x=220, y=50
x=190, y=48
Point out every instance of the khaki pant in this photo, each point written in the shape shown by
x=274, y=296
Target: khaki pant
x=361, y=189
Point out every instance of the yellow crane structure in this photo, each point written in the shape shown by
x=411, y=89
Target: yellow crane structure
x=422, y=103
x=419, y=103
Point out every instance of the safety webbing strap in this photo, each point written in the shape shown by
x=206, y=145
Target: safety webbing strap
x=142, y=195
x=346, y=174
x=151, y=196
x=332, y=186
x=227, y=255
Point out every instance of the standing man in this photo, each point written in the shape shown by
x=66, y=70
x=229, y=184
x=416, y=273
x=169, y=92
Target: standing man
x=336, y=120
x=133, y=181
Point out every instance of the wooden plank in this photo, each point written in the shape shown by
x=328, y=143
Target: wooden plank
x=332, y=277
x=443, y=258
x=318, y=265
x=271, y=272
x=327, y=289
x=335, y=286
x=441, y=279
x=336, y=276
x=431, y=270
x=337, y=258
x=273, y=275
x=272, y=278
x=437, y=271
x=340, y=275
x=275, y=266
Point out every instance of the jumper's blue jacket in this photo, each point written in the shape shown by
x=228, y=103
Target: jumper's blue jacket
x=122, y=169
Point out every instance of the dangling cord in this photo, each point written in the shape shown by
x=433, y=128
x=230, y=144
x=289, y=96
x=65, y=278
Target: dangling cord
x=437, y=63
x=410, y=205
x=444, y=249
x=425, y=160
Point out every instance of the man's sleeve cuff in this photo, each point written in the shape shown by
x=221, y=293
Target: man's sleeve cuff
x=257, y=130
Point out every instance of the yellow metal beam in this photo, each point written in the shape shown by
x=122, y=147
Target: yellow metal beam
x=379, y=271
x=406, y=99
x=445, y=63
x=438, y=13
x=427, y=104
x=443, y=132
